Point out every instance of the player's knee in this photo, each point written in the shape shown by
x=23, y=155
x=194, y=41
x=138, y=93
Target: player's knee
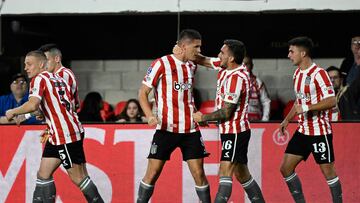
x=285, y=171
x=199, y=177
x=43, y=175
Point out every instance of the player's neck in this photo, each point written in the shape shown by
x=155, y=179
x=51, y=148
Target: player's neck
x=232, y=66
x=305, y=64
x=58, y=66
x=180, y=57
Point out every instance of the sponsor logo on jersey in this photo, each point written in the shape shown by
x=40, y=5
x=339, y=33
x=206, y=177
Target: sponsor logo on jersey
x=149, y=70
x=182, y=86
x=303, y=96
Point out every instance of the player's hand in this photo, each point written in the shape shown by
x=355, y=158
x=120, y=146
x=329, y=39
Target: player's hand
x=9, y=115
x=283, y=126
x=38, y=115
x=197, y=117
x=19, y=118
x=44, y=136
x=177, y=49
x=152, y=120
x=299, y=109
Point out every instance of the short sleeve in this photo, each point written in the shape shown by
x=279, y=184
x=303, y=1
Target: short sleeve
x=37, y=87
x=323, y=80
x=153, y=73
x=233, y=89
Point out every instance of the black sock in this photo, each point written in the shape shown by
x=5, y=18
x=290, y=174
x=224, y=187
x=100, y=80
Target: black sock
x=335, y=188
x=253, y=191
x=224, y=191
x=90, y=191
x=203, y=193
x=145, y=192
x=45, y=191
x=294, y=185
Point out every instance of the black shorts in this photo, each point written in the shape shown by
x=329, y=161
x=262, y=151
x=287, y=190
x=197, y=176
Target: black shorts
x=69, y=154
x=320, y=146
x=235, y=147
x=164, y=143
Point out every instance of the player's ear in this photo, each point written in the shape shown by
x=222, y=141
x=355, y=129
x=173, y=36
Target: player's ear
x=57, y=59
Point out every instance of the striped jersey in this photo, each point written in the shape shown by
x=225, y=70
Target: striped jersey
x=70, y=79
x=311, y=86
x=172, y=81
x=56, y=105
x=233, y=86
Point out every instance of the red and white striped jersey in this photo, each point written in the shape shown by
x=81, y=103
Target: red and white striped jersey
x=233, y=86
x=173, y=81
x=56, y=105
x=70, y=79
x=311, y=86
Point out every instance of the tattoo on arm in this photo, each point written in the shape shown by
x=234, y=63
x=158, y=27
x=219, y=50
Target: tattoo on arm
x=222, y=114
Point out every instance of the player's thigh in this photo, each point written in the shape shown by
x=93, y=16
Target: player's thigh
x=192, y=146
x=235, y=147
x=289, y=163
x=154, y=168
x=196, y=167
x=322, y=149
x=50, y=161
x=162, y=145
x=48, y=167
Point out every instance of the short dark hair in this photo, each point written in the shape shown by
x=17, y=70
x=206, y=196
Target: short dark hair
x=304, y=42
x=18, y=75
x=334, y=68
x=52, y=48
x=37, y=53
x=189, y=34
x=237, y=48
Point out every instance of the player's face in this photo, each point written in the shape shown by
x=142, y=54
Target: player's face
x=132, y=110
x=224, y=56
x=295, y=55
x=192, y=49
x=51, y=62
x=32, y=66
x=335, y=78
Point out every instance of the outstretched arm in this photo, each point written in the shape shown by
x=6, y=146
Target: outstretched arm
x=222, y=114
x=29, y=106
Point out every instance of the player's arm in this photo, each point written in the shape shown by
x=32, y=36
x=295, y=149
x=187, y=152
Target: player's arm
x=29, y=106
x=4, y=120
x=222, y=114
x=204, y=61
x=145, y=104
x=288, y=118
x=324, y=104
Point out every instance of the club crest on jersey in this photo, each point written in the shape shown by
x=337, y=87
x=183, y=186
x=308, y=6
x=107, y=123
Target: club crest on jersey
x=182, y=86
x=307, y=80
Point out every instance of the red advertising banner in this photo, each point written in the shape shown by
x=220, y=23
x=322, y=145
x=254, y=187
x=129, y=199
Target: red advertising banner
x=116, y=161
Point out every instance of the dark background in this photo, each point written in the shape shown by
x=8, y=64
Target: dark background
x=148, y=36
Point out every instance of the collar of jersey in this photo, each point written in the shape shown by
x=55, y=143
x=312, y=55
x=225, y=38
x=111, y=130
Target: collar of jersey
x=308, y=69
